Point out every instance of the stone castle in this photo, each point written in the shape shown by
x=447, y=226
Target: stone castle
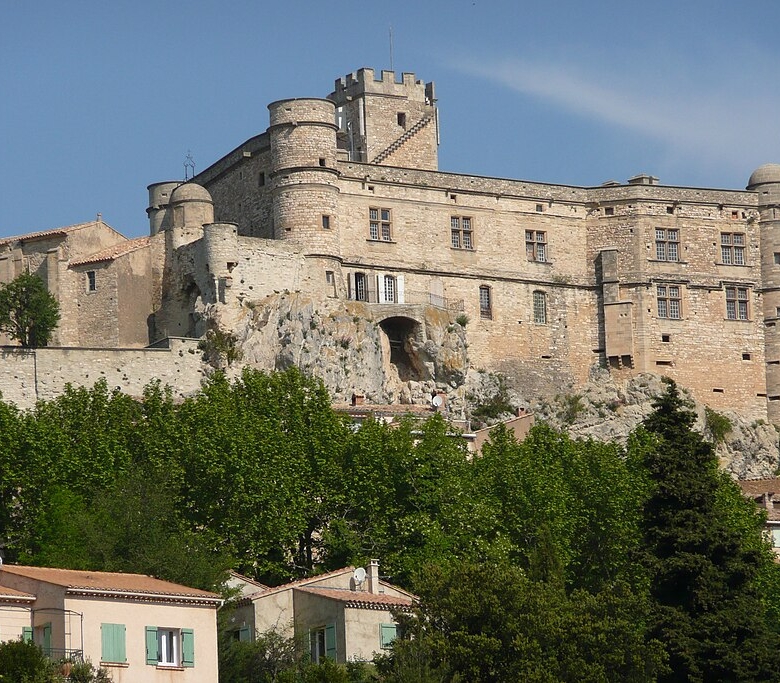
x=338, y=211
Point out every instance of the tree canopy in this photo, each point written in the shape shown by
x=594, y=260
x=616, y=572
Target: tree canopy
x=28, y=312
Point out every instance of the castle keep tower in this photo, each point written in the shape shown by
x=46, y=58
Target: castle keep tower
x=303, y=173
x=385, y=121
x=765, y=180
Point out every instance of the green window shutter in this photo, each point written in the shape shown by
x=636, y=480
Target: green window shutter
x=46, y=639
x=387, y=633
x=187, y=647
x=151, y=645
x=245, y=634
x=27, y=634
x=112, y=641
x=330, y=641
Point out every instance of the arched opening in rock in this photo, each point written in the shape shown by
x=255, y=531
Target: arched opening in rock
x=401, y=333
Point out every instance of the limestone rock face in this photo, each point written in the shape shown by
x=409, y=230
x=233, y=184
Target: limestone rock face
x=400, y=359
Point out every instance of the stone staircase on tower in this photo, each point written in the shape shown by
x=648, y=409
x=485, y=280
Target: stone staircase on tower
x=416, y=128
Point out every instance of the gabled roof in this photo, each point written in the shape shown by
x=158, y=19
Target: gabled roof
x=756, y=487
x=54, y=232
x=113, y=252
x=80, y=581
x=300, y=582
x=361, y=599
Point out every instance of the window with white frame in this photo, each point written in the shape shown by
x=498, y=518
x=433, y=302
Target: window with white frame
x=737, y=303
x=485, y=303
x=540, y=308
x=732, y=248
x=379, y=224
x=536, y=245
x=668, y=301
x=322, y=643
x=390, y=290
x=170, y=647
x=461, y=232
x=667, y=244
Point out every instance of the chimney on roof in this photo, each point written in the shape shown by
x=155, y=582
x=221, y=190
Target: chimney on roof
x=373, y=576
x=358, y=399
x=643, y=179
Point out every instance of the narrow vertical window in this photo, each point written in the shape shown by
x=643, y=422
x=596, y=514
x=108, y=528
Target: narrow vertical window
x=485, y=303
x=325, y=222
x=360, y=287
x=390, y=289
x=540, y=308
x=91, y=281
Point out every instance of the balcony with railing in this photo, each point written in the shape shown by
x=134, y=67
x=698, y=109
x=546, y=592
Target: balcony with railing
x=411, y=297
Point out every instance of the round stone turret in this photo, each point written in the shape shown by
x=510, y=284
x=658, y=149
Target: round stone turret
x=303, y=173
x=191, y=207
x=159, y=200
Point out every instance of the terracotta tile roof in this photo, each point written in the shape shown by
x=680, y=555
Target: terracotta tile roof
x=112, y=582
x=14, y=595
x=384, y=409
x=755, y=487
x=51, y=233
x=300, y=582
x=113, y=252
x=362, y=599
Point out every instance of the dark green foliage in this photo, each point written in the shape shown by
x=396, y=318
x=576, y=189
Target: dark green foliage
x=28, y=313
x=717, y=425
x=220, y=348
x=704, y=558
x=22, y=662
x=484, y=623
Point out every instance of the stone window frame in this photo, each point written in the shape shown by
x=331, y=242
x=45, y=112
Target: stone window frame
x=667, y=244
x=380, y=224
x=462, y=232
x=536, y=246
x=540, y=307
x=362, y=290
x=91, y=281
x=326, y=221
x=668, y=299
x=733, y=246
x=485, y=302
x=737, y=302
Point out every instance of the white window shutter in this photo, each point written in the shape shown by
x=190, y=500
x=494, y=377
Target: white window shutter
x=380, y=289
x=399, y=281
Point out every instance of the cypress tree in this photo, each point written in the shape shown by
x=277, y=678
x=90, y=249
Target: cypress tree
x=706, y=606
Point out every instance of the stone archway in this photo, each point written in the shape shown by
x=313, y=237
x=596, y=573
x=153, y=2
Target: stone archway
x=404, y=335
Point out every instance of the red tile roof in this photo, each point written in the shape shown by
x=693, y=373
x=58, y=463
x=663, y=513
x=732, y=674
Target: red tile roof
x=13, y=595
x=300, y=582
x=755, y=487
x=113, y=252
x=54, y=231
x=108, y=582
x=362, y=599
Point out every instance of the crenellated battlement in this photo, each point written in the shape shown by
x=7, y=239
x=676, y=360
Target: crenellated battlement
x=364, y=82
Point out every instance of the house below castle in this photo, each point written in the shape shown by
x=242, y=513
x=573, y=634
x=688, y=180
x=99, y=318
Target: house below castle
x=340, y=202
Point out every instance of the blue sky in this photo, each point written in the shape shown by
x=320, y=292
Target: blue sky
x=99, y=99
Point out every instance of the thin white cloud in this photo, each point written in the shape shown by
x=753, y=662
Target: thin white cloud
x=731, y=118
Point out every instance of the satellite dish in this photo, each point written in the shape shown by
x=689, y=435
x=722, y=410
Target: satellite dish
x=359, y=575
x=437, y=401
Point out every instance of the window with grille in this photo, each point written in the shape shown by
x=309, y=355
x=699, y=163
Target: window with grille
x=668, y=299
x=390, y=289
x=485, y=303
x=667, y=244
x=536, y=245
x=361, y=290
x=540, y=308
x=379, y=224
x=461, y=232
x=732, y=248
x=737, y=303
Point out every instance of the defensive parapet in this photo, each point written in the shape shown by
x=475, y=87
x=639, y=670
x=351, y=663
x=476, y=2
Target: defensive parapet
x=303, y=173
x=387, y=121
x=765, y=180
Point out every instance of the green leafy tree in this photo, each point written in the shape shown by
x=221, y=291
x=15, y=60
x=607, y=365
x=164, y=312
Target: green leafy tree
x=704, y=558
x=28, y=312
x=485, y=623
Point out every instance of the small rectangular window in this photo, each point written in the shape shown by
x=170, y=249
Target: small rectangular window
x=322, y=161
x=609, y=211
x=401, y=118
x=670, y=209
x=260, y=179
x=536, y=245
x=667, y=244
x=539, y=208
x=325, y=222
x=91, y=281
x=777, y=258
x=387, y=634
x=461, y=236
